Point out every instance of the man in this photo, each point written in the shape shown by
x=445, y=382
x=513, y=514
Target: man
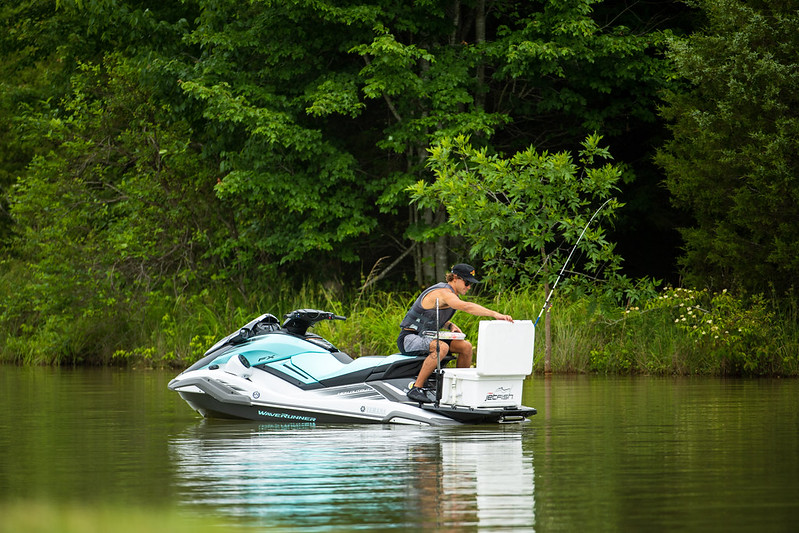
x=422, y=317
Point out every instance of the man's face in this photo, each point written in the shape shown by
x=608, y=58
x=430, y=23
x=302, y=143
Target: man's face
x=463, y=286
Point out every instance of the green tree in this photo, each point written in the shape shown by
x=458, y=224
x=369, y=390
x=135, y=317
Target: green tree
x=118, y=211
x=522, y=215
x=732, y=163
x=42, y=43
x=31, y=73
x=268, y=79
x=108, y=197
x=325, y=110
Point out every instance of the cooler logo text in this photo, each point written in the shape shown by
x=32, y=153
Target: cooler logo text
x=501, y=393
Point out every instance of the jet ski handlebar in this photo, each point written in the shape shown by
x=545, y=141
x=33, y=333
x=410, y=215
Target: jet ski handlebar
x=299, y=320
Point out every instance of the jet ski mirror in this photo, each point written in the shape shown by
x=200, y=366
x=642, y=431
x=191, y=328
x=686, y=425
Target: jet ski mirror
x=241, y=336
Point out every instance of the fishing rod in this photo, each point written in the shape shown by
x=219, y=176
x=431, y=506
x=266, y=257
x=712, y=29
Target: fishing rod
x=439, y=375
x=552, y=290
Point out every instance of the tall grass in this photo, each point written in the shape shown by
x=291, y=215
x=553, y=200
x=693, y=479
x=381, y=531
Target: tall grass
x=682, y=332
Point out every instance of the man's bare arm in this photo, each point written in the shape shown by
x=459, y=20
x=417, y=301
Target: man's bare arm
x=452, y=300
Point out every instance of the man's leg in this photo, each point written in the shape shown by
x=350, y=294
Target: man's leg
x=464, y=351
x=431, y=362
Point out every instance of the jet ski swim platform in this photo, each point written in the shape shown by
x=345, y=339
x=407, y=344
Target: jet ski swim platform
x=281, y=373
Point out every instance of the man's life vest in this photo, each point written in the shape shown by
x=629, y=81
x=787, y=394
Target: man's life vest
x=419, y=319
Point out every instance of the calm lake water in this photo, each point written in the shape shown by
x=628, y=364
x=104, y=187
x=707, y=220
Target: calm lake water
x=603, y=454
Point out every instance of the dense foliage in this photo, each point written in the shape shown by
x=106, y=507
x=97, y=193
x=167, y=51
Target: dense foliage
x=732, y=164
x=158, y=161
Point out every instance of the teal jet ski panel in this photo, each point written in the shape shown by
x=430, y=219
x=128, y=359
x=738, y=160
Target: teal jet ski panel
x=268, y=348
x=326, y=368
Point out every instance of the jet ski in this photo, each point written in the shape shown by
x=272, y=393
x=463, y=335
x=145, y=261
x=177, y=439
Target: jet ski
x=282, y=373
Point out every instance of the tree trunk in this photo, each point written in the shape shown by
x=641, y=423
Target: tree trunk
x=442, y=248
x=432, y=257
x=413, y=216
x=480, y=38
x=428, y=252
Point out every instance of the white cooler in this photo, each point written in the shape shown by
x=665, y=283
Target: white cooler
x=504, y=359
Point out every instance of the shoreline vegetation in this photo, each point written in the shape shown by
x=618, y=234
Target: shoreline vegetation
x=678, y=332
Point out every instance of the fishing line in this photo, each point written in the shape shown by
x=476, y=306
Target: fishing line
x=552, y=290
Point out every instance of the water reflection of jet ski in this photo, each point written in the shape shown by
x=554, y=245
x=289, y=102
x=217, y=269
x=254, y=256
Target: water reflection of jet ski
x=282, y=373
x=366, y=477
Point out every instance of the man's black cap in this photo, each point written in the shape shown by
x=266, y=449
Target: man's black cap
x=465, y=272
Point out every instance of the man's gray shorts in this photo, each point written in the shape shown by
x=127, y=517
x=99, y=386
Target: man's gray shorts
x=412, y=343
x=416, y=343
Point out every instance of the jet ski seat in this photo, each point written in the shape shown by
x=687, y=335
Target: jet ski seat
x=332, y=372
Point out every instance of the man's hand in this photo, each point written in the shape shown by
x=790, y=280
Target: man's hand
x=500, y=316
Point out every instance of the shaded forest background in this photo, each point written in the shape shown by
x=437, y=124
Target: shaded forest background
x=188, y=152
